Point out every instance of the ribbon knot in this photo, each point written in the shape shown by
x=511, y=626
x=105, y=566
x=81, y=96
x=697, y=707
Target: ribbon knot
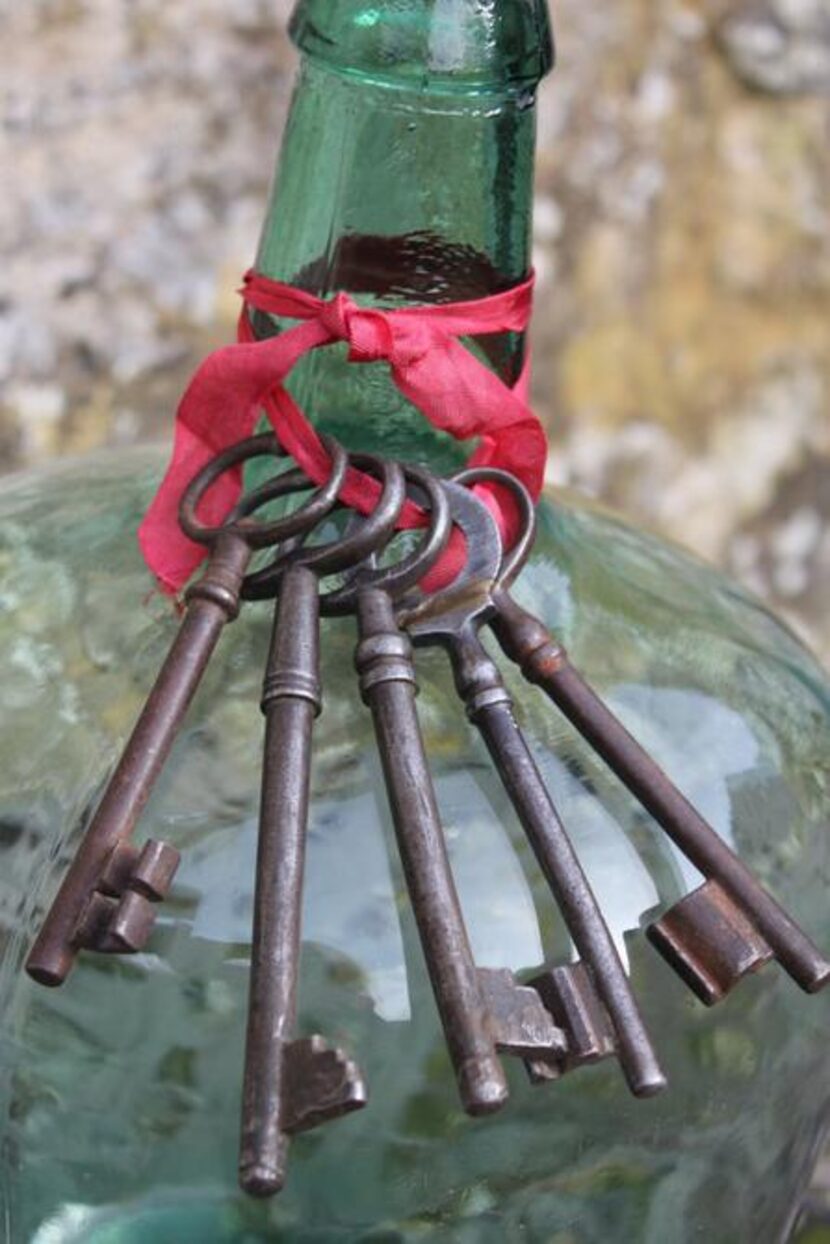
x=368, y=332
x=429, y=365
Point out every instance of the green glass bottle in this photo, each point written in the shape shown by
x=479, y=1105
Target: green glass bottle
x=405, y=175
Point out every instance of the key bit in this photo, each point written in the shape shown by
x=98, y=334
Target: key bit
x=572, y=1000
x=130, y=925
x=519, y=1019
x=709, y=942
x=318, y=1084
x=149, y=870
x=121, y=912
x=322, y=1083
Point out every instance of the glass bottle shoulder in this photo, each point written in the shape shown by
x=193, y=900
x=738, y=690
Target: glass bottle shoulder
x=731, y=705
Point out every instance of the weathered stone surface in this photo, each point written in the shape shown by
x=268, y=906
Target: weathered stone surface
x=683, y=344
x=781, y=46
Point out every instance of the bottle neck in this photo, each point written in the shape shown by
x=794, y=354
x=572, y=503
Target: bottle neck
x=397, y=191
x=400, y=194
x=450, y=46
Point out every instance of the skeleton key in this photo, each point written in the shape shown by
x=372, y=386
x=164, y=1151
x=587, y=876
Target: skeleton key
x=452, y=619
x=291, y=1085
x=481, y=1011
x=730, y=925
x=106, y=900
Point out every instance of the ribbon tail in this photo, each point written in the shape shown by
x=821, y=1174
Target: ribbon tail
x=461, y=395
x=219, y=408
x=458, y=393
x=168, y=552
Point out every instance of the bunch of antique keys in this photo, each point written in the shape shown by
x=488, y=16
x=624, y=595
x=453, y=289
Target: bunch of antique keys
x=569, y=1015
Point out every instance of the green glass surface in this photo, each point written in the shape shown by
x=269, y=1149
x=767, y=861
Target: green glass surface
x=120, y=1091
x=406, y=175
x=437, y=45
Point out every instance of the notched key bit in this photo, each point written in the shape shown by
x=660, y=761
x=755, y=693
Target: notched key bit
x=322, y=1083
x=317, y=1084
x=709, y=942
x=149, y=870
x=121, y=912
x=518, y=1018
x=588, y=1035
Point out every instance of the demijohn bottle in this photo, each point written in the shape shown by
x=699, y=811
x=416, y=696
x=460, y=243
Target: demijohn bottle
x=405, y=177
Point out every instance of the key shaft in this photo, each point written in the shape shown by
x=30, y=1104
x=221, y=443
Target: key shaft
x=289, y=1085
x=290, y=702
x=388, y=685
x=211, y=603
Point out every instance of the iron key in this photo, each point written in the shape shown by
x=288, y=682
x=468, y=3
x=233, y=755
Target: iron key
x=452, y=619
x=730, y=925
x=293, y=1084
x=105, y=902
x=482, y=1011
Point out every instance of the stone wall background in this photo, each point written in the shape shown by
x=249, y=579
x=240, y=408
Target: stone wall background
x=682, y=240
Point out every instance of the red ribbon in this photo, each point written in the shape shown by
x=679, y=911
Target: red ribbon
x=430, y=366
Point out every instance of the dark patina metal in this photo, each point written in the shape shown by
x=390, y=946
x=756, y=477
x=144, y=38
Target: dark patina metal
x=105, y=901
x=452, y=619
x=280, y=1072
x=569, y=1015
x=709, y=942
x=482, y=1012
x=569, y=994
x=708, y=937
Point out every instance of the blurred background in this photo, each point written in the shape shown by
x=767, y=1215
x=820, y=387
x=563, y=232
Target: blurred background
x=682, y=243
x=682, y=331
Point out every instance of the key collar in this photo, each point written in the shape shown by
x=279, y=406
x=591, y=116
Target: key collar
x=467, y=601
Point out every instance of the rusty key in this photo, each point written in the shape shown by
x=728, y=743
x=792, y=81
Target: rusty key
x=291, y=1085
x=730, y=925
x=482, y=1011
x=106, y=901
x=452, y=619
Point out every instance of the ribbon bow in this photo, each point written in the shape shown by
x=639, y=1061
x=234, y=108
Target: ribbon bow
x=450, y=386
